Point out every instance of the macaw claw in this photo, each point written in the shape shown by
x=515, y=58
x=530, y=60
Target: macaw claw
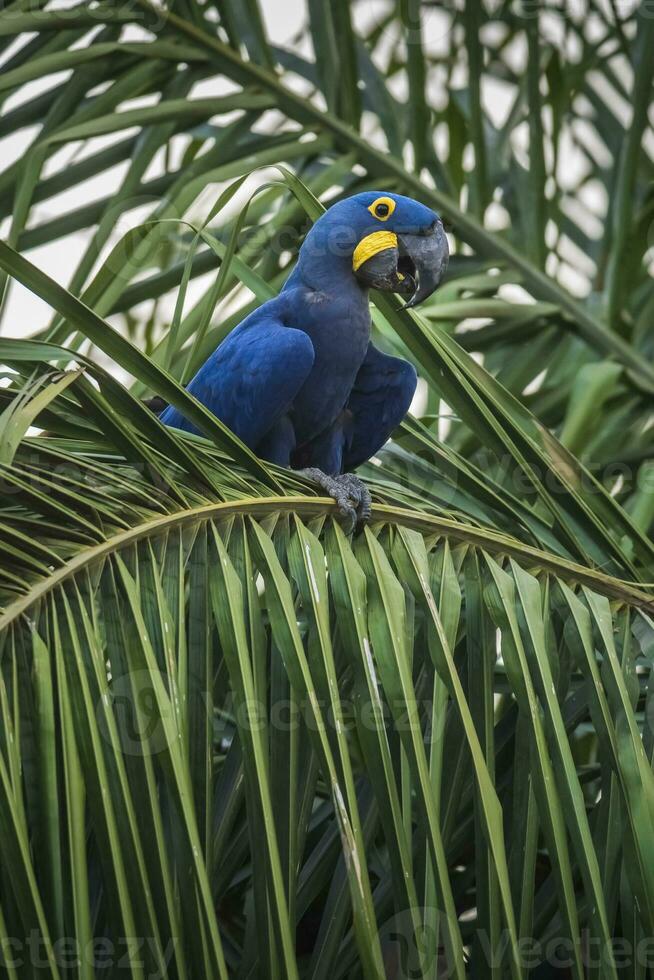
x=350, y=493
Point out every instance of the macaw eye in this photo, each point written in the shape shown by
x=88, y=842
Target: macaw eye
x=382, y=208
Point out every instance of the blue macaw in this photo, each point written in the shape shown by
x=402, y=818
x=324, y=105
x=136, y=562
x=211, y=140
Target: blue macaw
x=299, y=380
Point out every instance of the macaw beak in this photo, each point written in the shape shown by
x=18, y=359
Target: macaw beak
x=407, y=263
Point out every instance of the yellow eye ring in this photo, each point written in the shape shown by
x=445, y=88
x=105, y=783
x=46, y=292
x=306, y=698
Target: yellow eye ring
x=382, y=208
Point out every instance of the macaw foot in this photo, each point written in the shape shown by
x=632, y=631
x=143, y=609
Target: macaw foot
x=350, y=493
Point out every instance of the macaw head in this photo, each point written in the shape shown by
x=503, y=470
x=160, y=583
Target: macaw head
x=394, y=243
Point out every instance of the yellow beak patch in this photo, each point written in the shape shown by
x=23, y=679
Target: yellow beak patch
x=378, y=241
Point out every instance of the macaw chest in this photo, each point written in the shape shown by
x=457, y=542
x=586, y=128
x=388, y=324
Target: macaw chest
x=340, y=343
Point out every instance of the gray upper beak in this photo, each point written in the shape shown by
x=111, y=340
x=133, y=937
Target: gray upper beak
x=429, y=255
x=414, y=266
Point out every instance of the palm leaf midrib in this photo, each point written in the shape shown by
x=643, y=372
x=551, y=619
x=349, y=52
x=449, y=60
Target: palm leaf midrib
x=308, y=507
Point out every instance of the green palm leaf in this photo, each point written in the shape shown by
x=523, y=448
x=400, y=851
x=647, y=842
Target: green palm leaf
x=235, y=742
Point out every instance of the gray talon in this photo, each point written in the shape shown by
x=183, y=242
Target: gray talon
x=350, y=493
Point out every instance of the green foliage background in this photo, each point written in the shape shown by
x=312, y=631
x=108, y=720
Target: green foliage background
x=255, y=746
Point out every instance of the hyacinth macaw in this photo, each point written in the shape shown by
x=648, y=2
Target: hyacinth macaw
x=299, y=380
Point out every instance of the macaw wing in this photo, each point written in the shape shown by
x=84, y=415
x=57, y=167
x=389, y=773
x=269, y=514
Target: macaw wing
x=380, y=398
x=251, y=379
